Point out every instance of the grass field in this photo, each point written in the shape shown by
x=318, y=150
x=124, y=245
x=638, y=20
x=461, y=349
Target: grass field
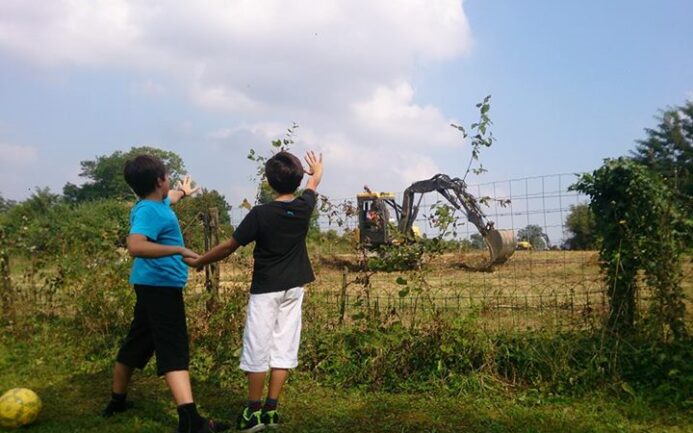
x=52, y=360
x=530, y=273
x=47, y=350
x=534, y=289
x=555, y=289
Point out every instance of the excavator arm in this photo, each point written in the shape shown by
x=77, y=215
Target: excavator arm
x=454, y=191
x=501, y=243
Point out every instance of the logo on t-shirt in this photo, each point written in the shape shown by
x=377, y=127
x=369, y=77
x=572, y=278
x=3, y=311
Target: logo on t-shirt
x=290, y=213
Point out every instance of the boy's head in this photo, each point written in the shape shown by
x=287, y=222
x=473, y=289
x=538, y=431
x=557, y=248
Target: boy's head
x=144, y=174
x=284, y=172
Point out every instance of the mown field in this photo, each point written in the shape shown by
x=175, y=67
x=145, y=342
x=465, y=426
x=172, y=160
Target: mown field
x=533, y=289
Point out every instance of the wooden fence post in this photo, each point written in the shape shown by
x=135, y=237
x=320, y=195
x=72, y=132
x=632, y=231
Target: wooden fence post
x=211, y=231
x=342, y=296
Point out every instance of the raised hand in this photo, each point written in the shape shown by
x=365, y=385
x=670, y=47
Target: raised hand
x=314, y=164
x=186, y=186
x=314, y=170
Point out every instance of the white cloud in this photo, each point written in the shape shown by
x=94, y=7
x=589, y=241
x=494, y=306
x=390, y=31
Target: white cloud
x=221, y=97
x=150, y=87
x=391, y=114
x=220, y=134
x=12, y=154
x=341, y=69
x=80, y=32
x=351, y=163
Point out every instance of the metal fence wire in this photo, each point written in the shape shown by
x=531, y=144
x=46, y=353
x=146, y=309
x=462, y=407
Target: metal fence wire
x=549, y=287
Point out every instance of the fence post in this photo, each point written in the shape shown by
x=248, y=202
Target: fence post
x=211, y=221
x=342, y=295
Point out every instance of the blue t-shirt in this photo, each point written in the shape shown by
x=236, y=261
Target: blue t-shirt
x=157, y=221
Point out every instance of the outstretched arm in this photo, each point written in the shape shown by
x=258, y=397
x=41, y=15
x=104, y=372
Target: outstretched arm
x=217, y=253
x=315, y=170
x=183, y=189
x=139, y=246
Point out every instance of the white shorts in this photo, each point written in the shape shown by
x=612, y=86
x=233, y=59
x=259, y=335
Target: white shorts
x=272, y=331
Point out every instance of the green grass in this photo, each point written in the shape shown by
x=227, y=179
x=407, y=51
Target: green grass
x=73, y=380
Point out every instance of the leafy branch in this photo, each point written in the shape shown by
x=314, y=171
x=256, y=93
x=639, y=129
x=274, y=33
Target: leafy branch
x=480, y=134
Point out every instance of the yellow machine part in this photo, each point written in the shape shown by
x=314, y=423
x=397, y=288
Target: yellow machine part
x=381, y=195
x=417, y=231
x=524, y=245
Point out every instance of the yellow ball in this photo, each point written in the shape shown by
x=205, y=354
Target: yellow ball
x=18, y=407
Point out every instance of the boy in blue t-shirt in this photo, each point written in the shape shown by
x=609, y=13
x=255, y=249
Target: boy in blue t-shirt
x=281, y=268
x=158, y=276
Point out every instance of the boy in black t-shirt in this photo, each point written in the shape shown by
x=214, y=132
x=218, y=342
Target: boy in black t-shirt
x=281, y=268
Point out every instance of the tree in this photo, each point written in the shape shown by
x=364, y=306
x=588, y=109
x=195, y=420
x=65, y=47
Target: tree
x=582, y=228
x=190, y=211
x=32, y=224
x=190, y=207
x=477, y=241
x=535, y=235
x=105, y=175
x=41, y=201
x=6, y=204
x=668, y=150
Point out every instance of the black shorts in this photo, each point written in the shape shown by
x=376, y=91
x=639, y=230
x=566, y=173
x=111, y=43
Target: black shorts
x=158, y=327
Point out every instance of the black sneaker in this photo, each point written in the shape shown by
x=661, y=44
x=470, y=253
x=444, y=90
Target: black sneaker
x=249, y=421
x=270, y=418
x=113, y=407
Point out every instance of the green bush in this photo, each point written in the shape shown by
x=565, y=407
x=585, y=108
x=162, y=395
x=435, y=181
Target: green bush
x=641, y=228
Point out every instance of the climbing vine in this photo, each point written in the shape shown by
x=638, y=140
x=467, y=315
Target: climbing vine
x=641, y=230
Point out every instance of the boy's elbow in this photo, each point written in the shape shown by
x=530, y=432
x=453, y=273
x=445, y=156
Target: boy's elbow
x=230, y=246
x=134, y=247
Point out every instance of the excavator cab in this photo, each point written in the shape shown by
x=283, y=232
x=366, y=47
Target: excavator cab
x=374, y=217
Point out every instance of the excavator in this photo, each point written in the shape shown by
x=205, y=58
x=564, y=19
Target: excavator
x=374, y=217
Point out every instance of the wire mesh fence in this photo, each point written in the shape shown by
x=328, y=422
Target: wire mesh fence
x=543, y=201
x=533, y=290
x=547, y=285
x=544, y=287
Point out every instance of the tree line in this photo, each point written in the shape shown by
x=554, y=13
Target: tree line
x=666, y=150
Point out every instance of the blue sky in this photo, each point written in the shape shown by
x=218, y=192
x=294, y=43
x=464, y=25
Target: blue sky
x=572, y=82
x=374, y=88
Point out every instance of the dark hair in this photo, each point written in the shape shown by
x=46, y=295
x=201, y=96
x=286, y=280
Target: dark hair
x=284, y=172
x=143, y=172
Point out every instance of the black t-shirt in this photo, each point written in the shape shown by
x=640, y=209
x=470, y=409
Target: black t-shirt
x=279, y=230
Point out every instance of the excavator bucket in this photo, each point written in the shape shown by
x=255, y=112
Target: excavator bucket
x=501, y=245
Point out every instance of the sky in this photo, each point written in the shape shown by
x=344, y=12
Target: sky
x=373, y=84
